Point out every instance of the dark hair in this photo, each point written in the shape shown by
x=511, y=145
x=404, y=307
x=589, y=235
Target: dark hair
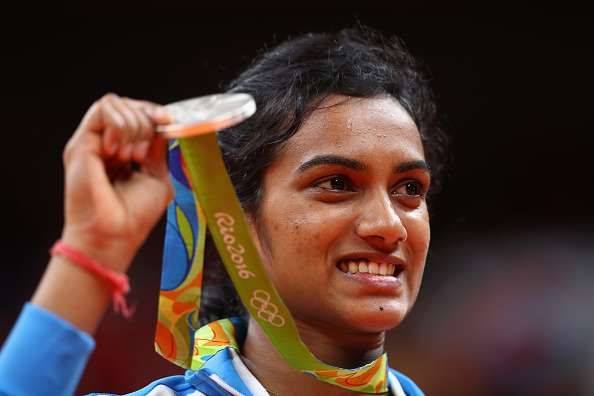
x=289, y=81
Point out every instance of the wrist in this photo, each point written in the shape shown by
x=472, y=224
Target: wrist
x=73, y=293
x=114, y=253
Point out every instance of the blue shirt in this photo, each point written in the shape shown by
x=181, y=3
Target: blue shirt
x=42, y=339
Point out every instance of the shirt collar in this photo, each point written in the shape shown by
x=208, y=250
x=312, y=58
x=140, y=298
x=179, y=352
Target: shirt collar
x=217, y=347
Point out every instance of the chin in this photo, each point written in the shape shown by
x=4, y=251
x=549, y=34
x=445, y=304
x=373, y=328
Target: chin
x=377, y=320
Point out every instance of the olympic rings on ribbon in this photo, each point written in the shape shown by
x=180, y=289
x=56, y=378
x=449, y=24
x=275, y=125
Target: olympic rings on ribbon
x=267, y=310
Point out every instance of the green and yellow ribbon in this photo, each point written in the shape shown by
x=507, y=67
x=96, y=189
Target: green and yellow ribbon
x=213, y=201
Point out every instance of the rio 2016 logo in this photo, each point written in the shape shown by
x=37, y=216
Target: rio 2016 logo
x=267, y=310
x=225, y=223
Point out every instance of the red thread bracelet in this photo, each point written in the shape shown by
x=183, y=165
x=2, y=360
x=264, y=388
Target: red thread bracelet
x=118, y=281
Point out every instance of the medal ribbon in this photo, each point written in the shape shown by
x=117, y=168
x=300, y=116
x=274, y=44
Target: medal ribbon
x=216, y=205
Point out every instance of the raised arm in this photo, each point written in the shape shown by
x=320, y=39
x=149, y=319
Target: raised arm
x=116, y=189
x=110, y=204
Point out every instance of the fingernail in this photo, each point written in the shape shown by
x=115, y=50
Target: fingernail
x=162, y=115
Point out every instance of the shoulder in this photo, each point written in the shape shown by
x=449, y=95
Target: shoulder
x=218, y=377
x=408, y=385
x=169, y=386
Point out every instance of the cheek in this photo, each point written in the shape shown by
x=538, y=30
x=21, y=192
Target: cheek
x=299, y=233
x=296, y=242
x=418, y=239
x=296, y=234
x=419, y=230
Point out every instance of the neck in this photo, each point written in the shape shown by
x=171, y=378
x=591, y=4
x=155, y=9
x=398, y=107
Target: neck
x=330, y=346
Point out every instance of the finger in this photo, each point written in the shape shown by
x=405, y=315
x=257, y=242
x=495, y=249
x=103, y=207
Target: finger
x=146, y=131
x=161, y=116
x=114, y=135
x=89, y=135
x=158, y=114
x=155, y=163
x=131, y=131
x=98, y=115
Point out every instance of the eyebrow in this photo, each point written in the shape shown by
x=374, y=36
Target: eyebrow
x=411, y=165
x=330, y=159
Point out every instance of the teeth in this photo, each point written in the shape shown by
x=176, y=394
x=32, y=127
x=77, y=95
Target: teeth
x=353, y=267
x=363, y=267
x=366, y=267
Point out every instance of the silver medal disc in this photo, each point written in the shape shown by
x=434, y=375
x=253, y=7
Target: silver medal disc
x=207, y=114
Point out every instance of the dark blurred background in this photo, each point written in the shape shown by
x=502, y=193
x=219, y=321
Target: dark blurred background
x=507, y=303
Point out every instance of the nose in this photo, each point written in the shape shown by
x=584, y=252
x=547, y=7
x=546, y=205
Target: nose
x=380, y=225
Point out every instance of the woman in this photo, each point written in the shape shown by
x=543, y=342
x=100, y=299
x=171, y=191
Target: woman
x=333, y=173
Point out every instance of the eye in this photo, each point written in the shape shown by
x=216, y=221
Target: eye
x=336, y=183
x=410, y=189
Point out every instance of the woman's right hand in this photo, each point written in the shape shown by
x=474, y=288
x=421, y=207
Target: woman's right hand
x=116, y=179
x=116, y=189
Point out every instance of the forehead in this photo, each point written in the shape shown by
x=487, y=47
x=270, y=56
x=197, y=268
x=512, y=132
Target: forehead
x=356, y=127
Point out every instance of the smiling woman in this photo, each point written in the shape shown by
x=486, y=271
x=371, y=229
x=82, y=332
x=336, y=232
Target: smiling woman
x=333, y=173
x=348, y=206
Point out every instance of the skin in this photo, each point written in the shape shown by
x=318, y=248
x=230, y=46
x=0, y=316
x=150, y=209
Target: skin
x=107, y=212
x=308, y=219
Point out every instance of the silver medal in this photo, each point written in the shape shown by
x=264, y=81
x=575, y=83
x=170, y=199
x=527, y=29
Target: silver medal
x=207, y=114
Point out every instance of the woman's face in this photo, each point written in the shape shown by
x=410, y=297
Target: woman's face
x=342, y=225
